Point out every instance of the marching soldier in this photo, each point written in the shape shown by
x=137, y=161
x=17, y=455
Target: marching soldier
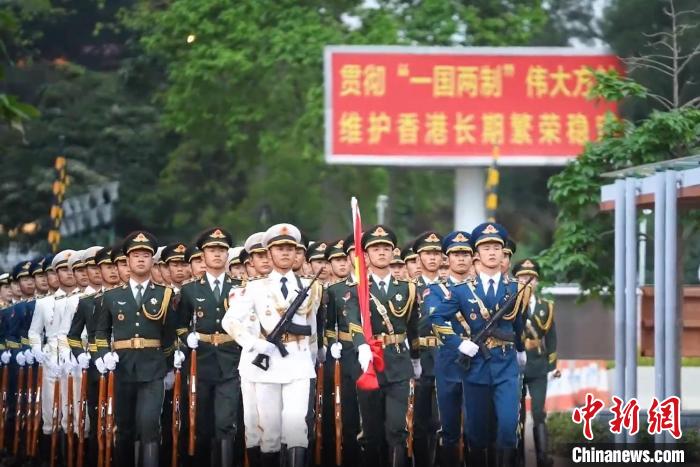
x=137, y=315
x=236, y=268
x=51, y=276
x=83, y=324
x=398, y=266
x=339, y=342
x=300, y=255
x=495, y=380
x=509, y=250
x=428, y=247
x=203, y=303
x=541, y=345
x=410, y=259
x=394, y=320
x=173, y=257
x=195, y=258
x=448, y=375
x=281, y=391
x=156, y=275
x=119, y=260
x=257, y=255
x=317, y=259
x=49, y=342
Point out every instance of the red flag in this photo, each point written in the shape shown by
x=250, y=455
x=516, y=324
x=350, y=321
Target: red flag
x=368, y=380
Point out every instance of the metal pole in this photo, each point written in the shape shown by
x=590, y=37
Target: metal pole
x=659, y=289
x=630, y=291
x=619, y=383
x=671, y=334
x=470, y=207
x=382, y=204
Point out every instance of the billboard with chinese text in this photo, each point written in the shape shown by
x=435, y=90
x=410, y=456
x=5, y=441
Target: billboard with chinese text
x=451, y=106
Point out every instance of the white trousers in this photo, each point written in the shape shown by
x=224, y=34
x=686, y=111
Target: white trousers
x=281, y=414
x=47, y=386
x=253, y=433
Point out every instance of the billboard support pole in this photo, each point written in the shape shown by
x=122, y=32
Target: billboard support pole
x=470, y=206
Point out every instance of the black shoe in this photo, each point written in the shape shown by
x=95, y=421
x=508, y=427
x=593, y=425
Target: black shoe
x=149, y=454
x=254, y=456
x=421, y=452
x=449, y=456
x=539, y=433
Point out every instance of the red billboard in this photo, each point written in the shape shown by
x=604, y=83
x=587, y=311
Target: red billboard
x=452, y=106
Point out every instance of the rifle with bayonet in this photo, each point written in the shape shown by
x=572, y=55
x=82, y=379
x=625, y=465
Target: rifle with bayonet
x=176, y=414
x=285, y=325
x=82, y=407
x=192, y=394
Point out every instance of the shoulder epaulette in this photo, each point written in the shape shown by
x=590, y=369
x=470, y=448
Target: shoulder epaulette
x=89, y=295
x=255, y=278
x=338, y=281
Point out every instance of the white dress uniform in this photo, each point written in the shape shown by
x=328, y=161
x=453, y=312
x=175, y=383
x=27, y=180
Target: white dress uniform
x=47, y=332
x=281, y=393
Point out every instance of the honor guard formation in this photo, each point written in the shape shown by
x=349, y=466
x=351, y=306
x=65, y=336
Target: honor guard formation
x=210, y=354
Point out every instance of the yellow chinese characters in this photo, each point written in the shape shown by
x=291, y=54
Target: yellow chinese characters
x=356, y=80
x=542, y=82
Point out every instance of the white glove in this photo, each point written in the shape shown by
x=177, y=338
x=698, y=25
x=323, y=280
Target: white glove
x=468, y=348
x=178, y=358
x=264, y=347
x=6, y=357
x=84, y=360
x=417, y=368
x=66, y=354
x=169, y=380
x=522, y=359
x=39, y=356
x=20, y=358
x=70, y=364
x=192, y=340
x=29, y=356
x=364, y=356
x=336, y=350
x=100, y=365
x=110, y=360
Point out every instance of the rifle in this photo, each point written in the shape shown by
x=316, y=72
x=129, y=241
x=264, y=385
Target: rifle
x=109, y=422
x=69, y=420
x=480, y=338
x=55, y=419
x=101, y=406
x=82, y=406
x=337, y=381
x=319, y=415
x=176, y=415
x=3, y=404
x=18, y=411
x=192, y=382
x=27, y=415
x=36, y=413
x=409, y=416
x=285, y=325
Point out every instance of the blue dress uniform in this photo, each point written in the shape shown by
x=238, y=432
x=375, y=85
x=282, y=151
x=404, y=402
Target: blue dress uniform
x=487, y=381
x=448, y=374
x=427, y=420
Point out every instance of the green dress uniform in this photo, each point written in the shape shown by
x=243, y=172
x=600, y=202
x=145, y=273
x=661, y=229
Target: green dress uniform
x=141, y=334
x=200, y=310
x=337, y=330
x=426, y=412
x=540, y=337
x=394, y=321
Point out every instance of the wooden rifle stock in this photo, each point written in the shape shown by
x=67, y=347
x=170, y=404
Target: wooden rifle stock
x=101, y=406
x=176, y=417
x=409, y=416
x=55, y=420
x=82, y=407
x=69, y=421
x=3, y=402
x=337, y=413
x=192, y=382
x=319, y=415
x=36, y=412
x=27, y=415
x=109, y=420
x=18, y=412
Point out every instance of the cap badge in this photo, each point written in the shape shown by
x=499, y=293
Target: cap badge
x=140, y=238
x=490, y=229
x=460, y=238
x=217, y=234
x=432, y=238
x=379, y=232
